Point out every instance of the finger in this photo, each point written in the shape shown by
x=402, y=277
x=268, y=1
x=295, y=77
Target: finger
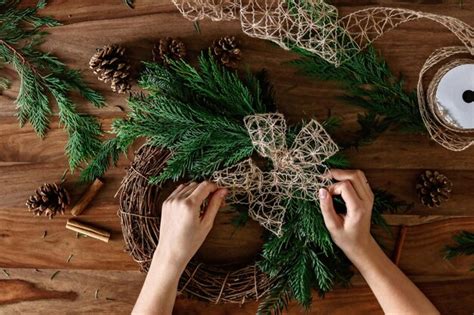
x=347, y=192
x=331, y=219
x=176, y=191
x=188, y=189
x=215, y=203
x=202, y=191
x=358, y=181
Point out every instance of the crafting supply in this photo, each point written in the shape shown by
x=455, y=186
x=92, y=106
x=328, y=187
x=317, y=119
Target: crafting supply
x=88, y=230
x=315, y=26
x=298, y=171
x=88, y=196
x=48, y=200
x=397, y=253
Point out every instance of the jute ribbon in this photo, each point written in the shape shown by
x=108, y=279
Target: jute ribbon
x=315, y=25
x=298, y=171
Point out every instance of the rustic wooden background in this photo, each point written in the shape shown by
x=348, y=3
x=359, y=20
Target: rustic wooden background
x=102, y=278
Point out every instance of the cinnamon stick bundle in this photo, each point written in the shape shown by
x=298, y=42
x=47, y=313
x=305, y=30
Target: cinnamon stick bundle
x=88, y=230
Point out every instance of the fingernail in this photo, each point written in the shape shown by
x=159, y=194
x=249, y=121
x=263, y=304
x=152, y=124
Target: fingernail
x=323, y=193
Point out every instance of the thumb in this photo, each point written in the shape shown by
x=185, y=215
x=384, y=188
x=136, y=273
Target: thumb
x=216, y=201
x=331, y=218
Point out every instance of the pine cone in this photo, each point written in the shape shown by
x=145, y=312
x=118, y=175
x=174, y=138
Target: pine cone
x=433, y=188
x=111, y=64
x=226, y=50
x=48, y=199
x=168, y=48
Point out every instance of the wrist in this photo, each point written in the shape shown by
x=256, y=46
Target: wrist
x=362, y=250
x=167, y=259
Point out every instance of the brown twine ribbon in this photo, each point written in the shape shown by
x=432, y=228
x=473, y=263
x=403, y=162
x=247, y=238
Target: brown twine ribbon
x=274, y=20
x=298, y=171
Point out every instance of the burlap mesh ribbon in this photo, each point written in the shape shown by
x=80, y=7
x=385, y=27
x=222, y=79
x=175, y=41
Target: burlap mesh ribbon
x=314, y=25
x=298, y=171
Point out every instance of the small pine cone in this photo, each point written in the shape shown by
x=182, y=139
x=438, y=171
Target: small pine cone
x=433, y=188
x=110, y=64
x=48, y=200
x=226, y=50
x=168, y=49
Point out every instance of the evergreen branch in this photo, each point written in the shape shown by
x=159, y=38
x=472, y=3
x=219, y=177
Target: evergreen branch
x=277, y=299
x=464, y=245
x=185, y=109
x=107, y=156
x=43, y=75
x=371, y=85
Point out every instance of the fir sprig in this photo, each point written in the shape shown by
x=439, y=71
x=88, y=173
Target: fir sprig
x=371, y=85
x=302, y=259
x=44, y=78
x=196, y=113
x=464, y=245
x=305, y=257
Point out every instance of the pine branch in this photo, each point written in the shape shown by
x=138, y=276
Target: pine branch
x=277, y=299
x=305, y=254
x=371, y=85
x=43, y=75
x=185, y=109
x=464, y=245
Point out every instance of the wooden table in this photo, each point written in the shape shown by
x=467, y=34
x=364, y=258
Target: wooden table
x=102, y=278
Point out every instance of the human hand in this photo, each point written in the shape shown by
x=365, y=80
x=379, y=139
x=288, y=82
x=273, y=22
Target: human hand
x=184, y=226
x=351, y=232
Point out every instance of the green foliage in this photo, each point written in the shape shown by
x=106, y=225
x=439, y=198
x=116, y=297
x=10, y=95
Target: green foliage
x=464, y=245
x=196, y=113
x=371, y=85
x=305, y=257
x=44, y=79
x=302, y=259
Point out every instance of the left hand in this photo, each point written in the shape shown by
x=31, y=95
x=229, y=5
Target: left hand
x=183, y=228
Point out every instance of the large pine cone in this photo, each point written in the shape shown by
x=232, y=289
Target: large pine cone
x=111, y=64
x=168, y=49
x=48, y=199
x=226, y=50
x=433, y=188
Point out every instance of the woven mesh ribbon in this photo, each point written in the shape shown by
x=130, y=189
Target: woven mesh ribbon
x=298, y=172
x=313, y=25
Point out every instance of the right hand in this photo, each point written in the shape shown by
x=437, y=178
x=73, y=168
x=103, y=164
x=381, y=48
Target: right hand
x=351, y=232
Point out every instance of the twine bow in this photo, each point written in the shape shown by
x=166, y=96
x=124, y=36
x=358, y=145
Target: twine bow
x=297, y=172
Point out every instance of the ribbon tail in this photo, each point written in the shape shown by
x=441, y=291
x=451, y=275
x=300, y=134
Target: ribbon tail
x=268, y=210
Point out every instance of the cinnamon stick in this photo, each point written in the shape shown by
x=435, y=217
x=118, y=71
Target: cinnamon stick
x=88, y=196
x=397, y=253
x=89, y=230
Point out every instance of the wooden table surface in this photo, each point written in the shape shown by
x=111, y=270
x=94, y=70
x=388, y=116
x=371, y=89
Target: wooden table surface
x=392, y=162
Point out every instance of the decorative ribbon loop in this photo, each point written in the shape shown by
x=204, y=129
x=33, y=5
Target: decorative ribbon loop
x=297, y=172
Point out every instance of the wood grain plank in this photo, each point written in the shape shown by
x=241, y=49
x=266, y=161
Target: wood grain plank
x=117, y=292
x=392, y=163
